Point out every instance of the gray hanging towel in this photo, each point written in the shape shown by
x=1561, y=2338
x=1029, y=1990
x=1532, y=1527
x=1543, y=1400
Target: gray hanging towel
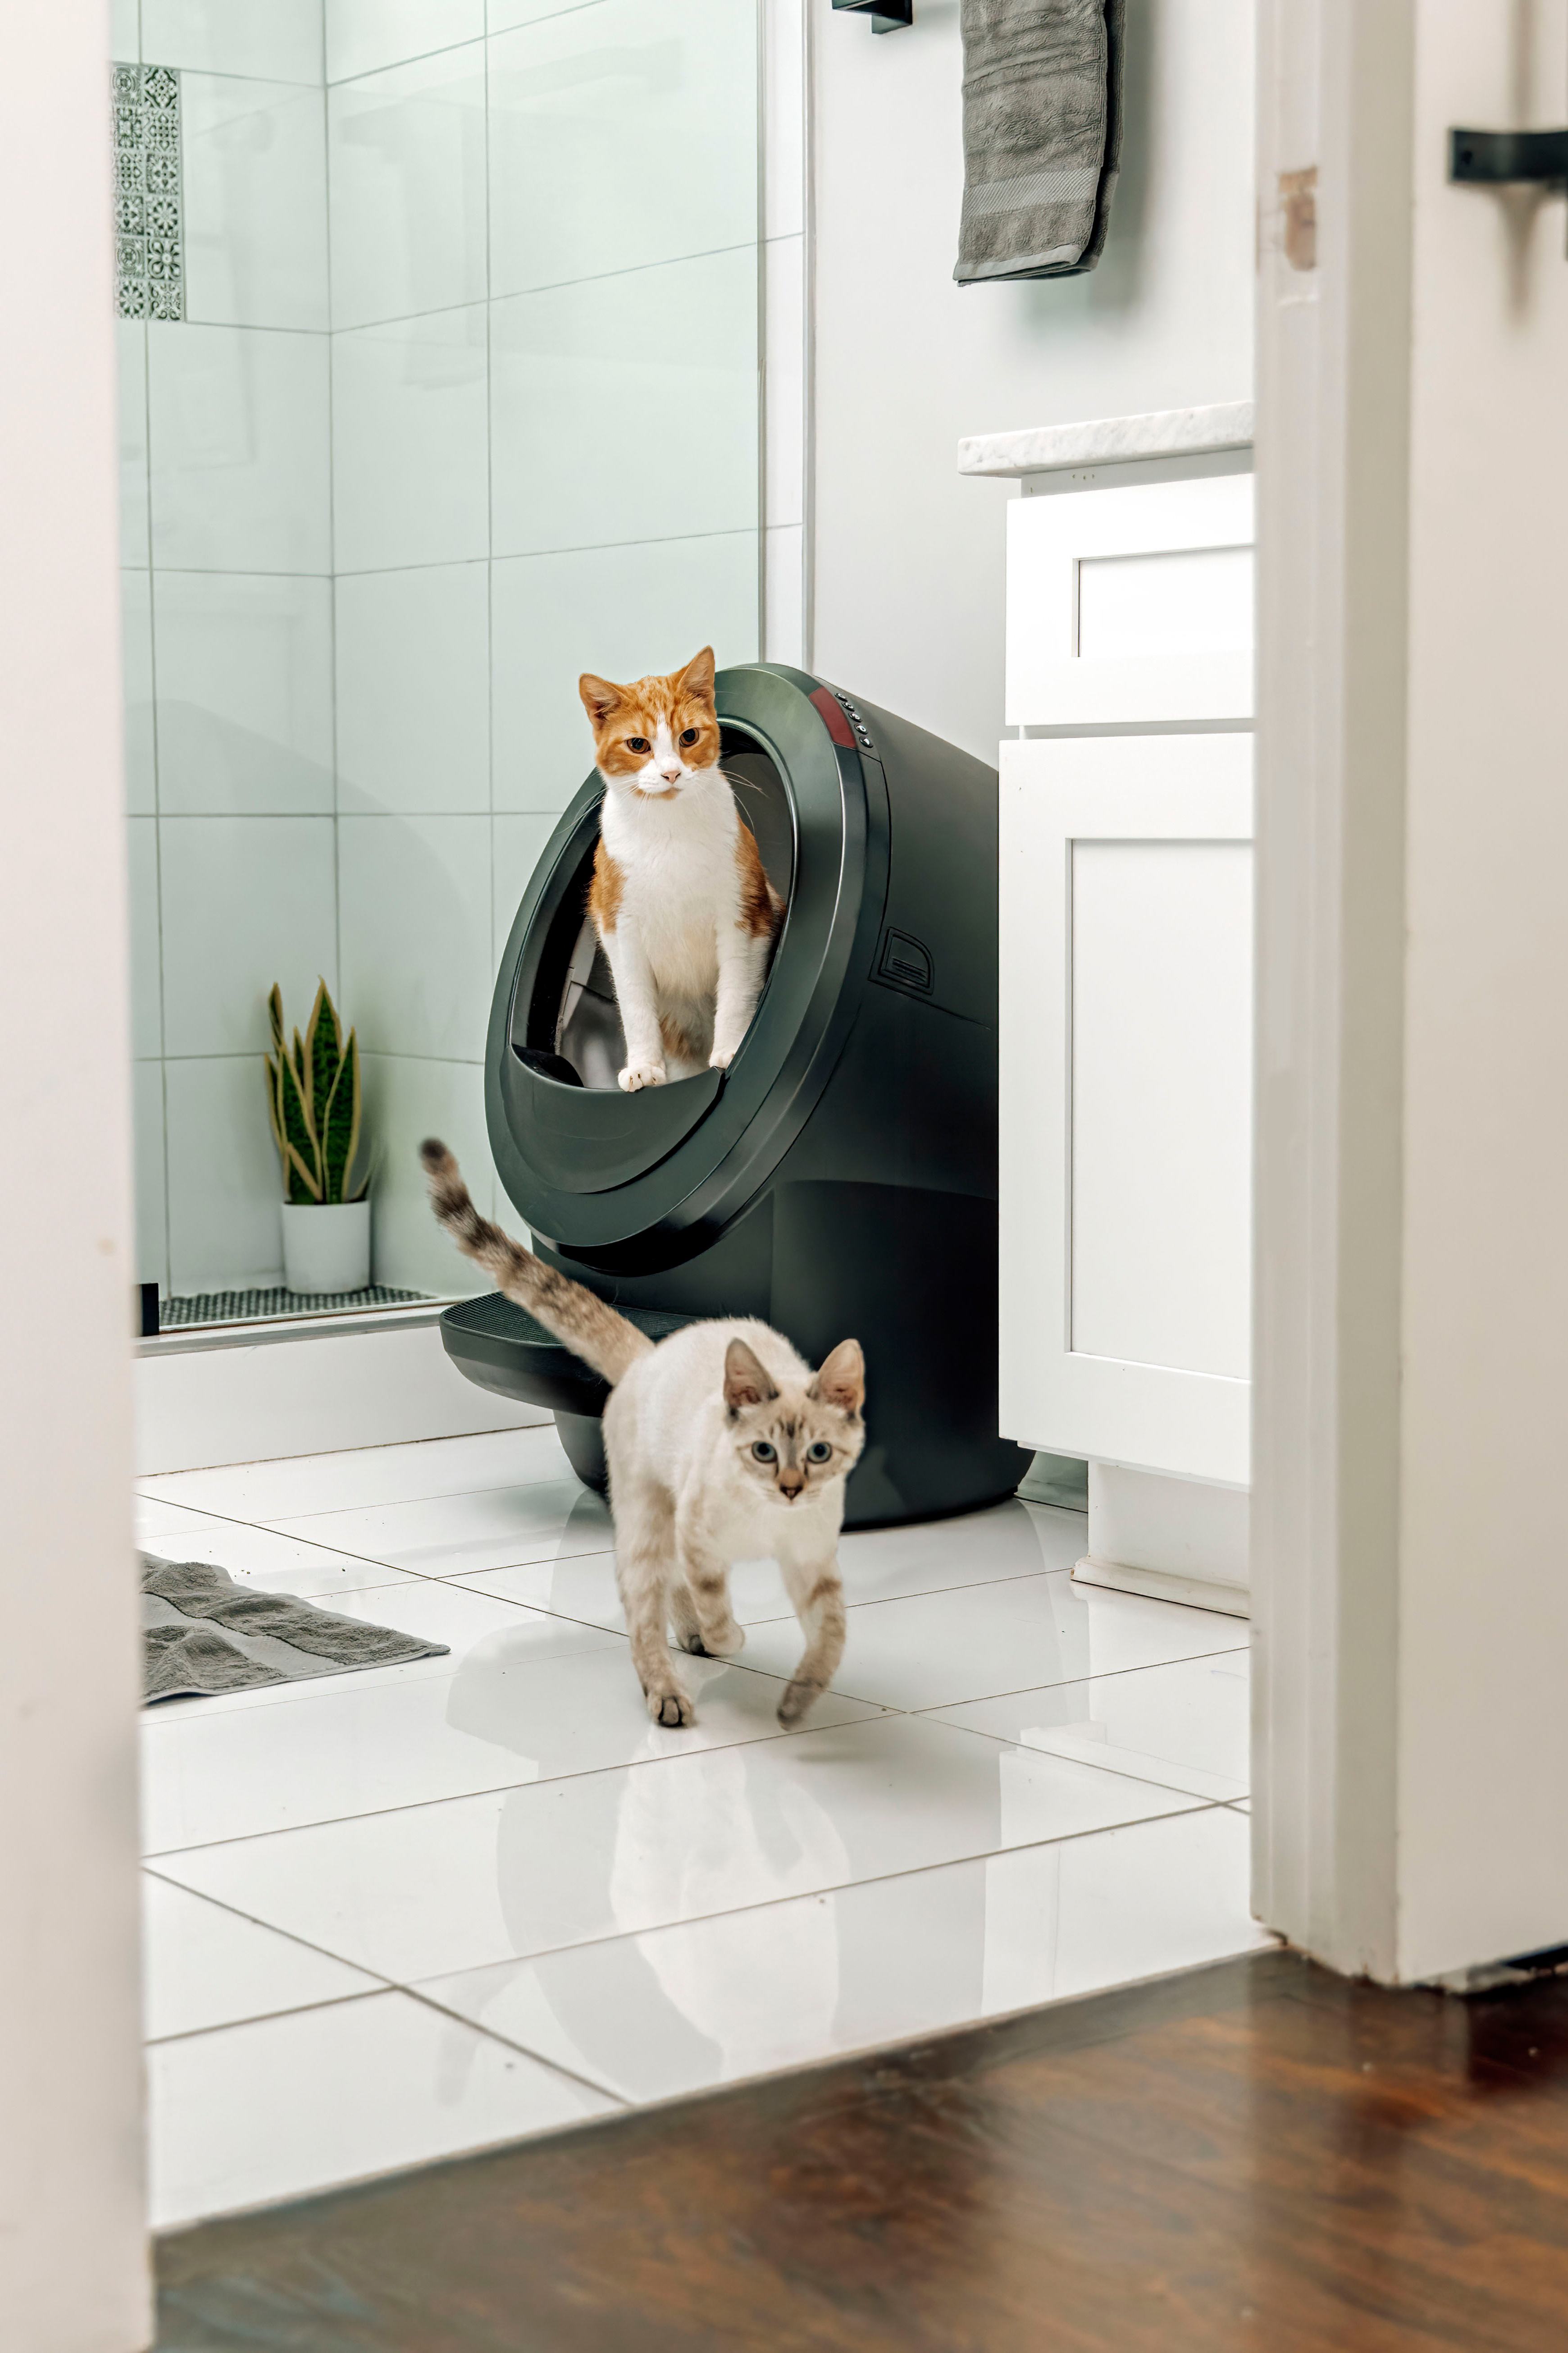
x=1042, y=135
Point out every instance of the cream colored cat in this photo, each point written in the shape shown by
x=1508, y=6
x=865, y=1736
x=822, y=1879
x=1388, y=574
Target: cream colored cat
x=685, y=914
x=723, y=1446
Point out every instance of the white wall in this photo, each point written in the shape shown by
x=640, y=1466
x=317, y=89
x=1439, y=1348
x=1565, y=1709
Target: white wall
x=908, y=567
x=73, y=2270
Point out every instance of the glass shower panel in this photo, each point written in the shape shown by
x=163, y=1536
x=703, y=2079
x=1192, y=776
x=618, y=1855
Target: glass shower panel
x=447, y=390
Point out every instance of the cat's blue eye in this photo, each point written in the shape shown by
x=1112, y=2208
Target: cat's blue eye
x=819, y=1452
x=764, y=1452
x=636, y=743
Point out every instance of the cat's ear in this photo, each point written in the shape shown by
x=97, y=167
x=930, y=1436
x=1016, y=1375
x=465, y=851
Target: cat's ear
x=842, y=1380
x=696, y=678
x=599, y=697
x=746, y=1380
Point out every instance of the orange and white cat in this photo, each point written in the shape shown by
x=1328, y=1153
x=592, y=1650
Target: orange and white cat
x=684, y=913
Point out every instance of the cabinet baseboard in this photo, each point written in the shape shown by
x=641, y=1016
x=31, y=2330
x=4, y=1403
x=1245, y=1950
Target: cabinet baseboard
x=1165, y=1585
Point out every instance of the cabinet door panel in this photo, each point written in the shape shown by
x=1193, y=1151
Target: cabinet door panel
x=1126, y=1099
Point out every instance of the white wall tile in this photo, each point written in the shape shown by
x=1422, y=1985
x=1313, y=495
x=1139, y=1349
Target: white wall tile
x=409, y=424
x=147, y=1134
x=415, y=895
x=365, y=34
x=131, y=359
x=622, y=611
x=611, y=423
x=125, y=40
x=504, y=14
x=617, y=140
x=784, y=458
x=280, y=38
x=146, y=1017
x=136, y=657
x=240, y=439
x=255, y=173
x=245, y=693
x=517, y=845
x=783, y=117
x=224, y=1186
x=413, y=672
x=407, y=151
x=406, y=1101
x=246, y=900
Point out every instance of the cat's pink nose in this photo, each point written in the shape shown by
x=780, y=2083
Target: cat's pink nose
x=670, y=771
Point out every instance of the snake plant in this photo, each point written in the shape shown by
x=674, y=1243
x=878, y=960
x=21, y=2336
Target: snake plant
x=314, y=1097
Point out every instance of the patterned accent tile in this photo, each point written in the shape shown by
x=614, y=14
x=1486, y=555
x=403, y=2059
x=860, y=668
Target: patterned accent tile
x=149, y=245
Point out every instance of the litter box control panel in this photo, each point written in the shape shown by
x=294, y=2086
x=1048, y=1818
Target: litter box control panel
x=855, y=721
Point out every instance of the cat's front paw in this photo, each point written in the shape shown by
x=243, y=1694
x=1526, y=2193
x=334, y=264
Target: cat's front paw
x=721, y=1058
x=641, y=1075
x=670, y=1707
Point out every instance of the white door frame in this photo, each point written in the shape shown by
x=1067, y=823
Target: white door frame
x=74, y=2275
x=1411, y=1398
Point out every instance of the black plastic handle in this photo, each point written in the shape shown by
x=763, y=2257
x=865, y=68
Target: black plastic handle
x=1495, y=159
x=887, y=16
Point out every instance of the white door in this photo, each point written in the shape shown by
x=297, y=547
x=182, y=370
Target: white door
x=1412, y=1407
x=1126, y=1099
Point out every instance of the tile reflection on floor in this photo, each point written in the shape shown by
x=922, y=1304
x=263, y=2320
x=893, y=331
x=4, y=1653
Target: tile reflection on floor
x=400, y=1914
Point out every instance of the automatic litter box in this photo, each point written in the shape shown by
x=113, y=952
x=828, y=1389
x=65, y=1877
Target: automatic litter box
x=840, y=1177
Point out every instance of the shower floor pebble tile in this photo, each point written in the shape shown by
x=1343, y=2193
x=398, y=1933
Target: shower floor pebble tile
x=404, y=1913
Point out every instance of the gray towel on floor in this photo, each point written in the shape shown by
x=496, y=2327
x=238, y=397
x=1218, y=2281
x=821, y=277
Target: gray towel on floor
x=1042, y=135
x=203, y=1632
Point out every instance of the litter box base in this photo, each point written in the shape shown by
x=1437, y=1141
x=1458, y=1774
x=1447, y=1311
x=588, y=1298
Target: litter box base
x=917, y=1465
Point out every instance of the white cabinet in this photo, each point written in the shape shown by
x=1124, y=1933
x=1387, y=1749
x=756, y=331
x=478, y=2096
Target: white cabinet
x=1126, y=967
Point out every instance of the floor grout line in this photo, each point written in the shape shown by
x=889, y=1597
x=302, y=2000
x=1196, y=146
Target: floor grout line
x=377, y=1993
x=504, y=1788
x=881, y=1713
x=510, y=2042
x=377, y=1990
x=698, y=1919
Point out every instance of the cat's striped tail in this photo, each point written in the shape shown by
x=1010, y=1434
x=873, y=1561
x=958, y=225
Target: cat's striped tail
x=578, y=1317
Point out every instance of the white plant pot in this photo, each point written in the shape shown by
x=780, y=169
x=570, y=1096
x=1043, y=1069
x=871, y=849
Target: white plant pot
x=326, y=1248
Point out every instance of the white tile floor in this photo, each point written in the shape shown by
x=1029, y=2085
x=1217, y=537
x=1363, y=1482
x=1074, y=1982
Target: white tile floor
x=395, y=1915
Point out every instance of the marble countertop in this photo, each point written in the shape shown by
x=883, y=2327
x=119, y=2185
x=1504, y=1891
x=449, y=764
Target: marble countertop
x=1110, y=440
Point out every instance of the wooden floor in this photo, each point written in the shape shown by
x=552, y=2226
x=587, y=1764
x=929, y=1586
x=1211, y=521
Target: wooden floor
x=1255, y=2156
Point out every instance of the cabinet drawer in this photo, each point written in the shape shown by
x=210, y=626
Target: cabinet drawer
x=1132, y=607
